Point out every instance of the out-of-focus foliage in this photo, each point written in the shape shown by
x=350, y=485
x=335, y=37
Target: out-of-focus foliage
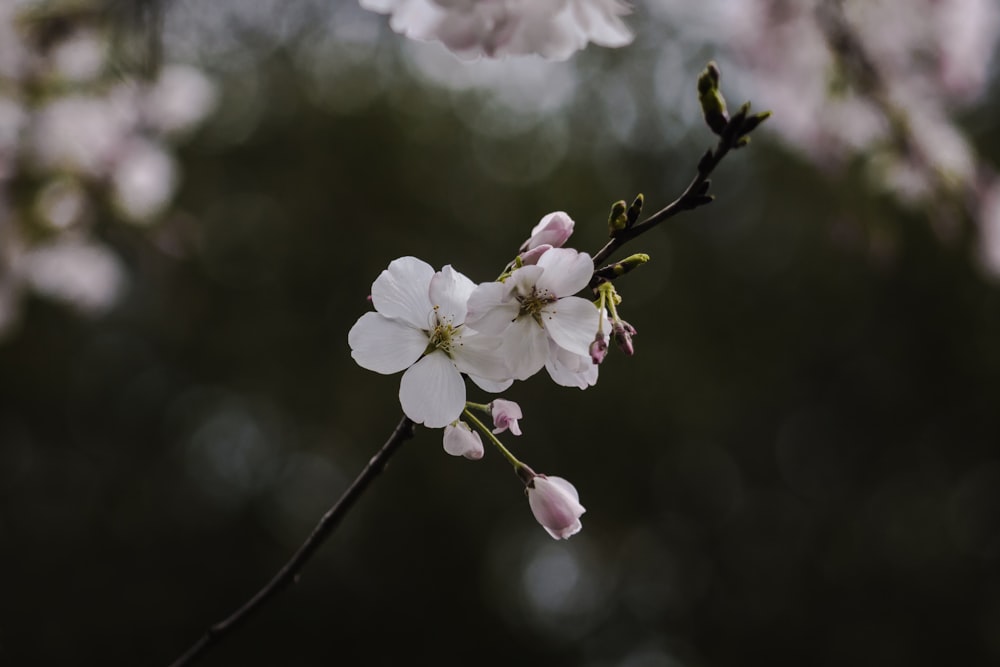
x=800, y=466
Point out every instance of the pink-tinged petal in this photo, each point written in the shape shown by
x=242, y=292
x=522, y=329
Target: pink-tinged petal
x=449, y=293
x=432, y=391
x=383, y=345
x=572, y=323
x=530, y=257
x=461, y=440
x=556, y=506
x=478, y=354
x=489, y=312
x=566, y=271
x=570, y=370
x=402, y=292
x=491, y=386
x=525, y=348
x=505, y=415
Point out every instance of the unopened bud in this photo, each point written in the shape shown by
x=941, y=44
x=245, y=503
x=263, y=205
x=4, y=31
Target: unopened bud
x=713, y=105
x=554, y=230
x=529, y=257
x=635, y=209
x=598, y=348
x=617, y=220
x=623, y=332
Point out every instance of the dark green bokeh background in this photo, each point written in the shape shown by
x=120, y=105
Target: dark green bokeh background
x=800, y=465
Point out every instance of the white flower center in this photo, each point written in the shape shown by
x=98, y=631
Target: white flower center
x=441, y=335
x=534, y=303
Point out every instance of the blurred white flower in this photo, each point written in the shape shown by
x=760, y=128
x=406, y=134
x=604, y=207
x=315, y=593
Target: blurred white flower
x=81, y=57
x=78, y=133
x=180, y=99
x=82, y=274
x=143, y=180
x=553, y=29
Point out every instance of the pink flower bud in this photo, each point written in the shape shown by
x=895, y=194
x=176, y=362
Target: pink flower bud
x=505, y=415
x=529, y=257
x=554, y=229
x=460, y=440
x=556, y=505
x=599, y=348
x=623, y=332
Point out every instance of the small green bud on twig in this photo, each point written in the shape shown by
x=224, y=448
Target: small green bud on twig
x=635, y=209
x=713, y=105
x=617, y=220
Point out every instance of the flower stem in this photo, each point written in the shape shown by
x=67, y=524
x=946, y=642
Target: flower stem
x=496, y=442
x=482, y=407
x=291, y=571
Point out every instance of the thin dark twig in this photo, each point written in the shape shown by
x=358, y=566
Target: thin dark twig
x=692, y=197
x=290, y=572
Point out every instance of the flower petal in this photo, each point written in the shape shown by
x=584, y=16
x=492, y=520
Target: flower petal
x=566, y=271
x=492, y=386
x=570, y=370
x=525, y=348
x=478, y=354
x=449, y=294
x=432, y=391
x=383, y=345
x=402, y=292
x=572, y=323
x=489, y=312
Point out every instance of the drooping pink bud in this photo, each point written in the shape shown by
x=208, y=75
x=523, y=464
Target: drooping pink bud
x=598, y=348
x=505, y=416
x=623, y=332
x=461, y=440
x=554, y=230
x=556, y=505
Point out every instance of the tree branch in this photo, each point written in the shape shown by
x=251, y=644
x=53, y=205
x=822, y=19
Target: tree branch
x=290, y=572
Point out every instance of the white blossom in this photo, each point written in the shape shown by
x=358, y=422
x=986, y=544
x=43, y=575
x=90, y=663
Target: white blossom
x=554, y=29
x=420, y=327
x=534, y=306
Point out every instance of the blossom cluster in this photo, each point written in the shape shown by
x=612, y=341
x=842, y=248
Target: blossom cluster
x=438, y=326
x=80, y=140
x=553, y=29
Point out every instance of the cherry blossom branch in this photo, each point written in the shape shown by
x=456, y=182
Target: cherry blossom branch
x=291, y=571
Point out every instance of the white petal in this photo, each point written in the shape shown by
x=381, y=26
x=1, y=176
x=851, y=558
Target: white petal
x=566, y=271
x=522, y=281
x=432, y=391
x=491, y=386
x=449, y=294
x=478, y=354
x=572, y=323
x=570, y=370
x=383, y=345
x=402, y=292
x=525, y=348
x=488, y=311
